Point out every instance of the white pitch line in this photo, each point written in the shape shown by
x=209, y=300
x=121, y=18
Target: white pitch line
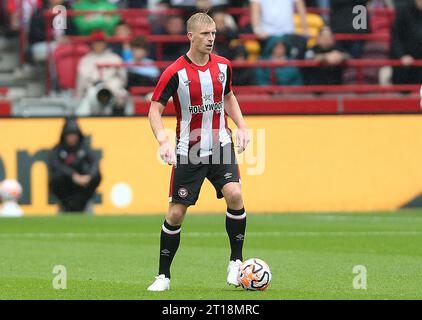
x=211, y=234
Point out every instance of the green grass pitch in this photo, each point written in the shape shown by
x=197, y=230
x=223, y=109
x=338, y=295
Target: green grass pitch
x=311, y=256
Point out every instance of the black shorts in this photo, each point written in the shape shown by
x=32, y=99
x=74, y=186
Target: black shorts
x=188, y=176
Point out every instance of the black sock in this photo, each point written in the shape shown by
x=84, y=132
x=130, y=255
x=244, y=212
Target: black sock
x=169, y=242
x=235, y=227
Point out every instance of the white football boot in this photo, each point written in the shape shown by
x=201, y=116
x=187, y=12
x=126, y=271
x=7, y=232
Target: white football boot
x=232, y=272
x=161, y=283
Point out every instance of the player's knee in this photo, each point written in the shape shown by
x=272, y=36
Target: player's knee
x=176, y=215
x=234, y=195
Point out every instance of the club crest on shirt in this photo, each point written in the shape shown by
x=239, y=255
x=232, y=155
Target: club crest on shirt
x=183, y=192
x=221, y=77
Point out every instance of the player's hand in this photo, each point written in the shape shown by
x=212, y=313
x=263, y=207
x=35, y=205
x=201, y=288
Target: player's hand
x=242, y=139
x=167, y=153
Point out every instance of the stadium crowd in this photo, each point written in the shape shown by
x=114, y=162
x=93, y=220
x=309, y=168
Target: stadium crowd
x=284, y=30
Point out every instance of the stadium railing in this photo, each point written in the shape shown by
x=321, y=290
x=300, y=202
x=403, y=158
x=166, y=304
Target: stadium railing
x=359, y=64
x=311, y=105
x=330, y=99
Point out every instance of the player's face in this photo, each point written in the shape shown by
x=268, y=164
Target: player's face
x=419, y=4
x=203, y=38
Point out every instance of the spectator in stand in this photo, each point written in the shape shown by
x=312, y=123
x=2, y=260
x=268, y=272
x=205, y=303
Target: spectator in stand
x=174, y=25
x=242, y=76
x=37, y=37
x=85, y=24
x=277, y=50
x=226, y=32
x=146, y=75
x=276, y=17
x=123, y=31
x=13, y=8
x=103, y=85
x=331, y=59
x=341, y=21
x=74, y=170
x=406, y=42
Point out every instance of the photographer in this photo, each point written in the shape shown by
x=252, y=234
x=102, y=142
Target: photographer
x=103, y=90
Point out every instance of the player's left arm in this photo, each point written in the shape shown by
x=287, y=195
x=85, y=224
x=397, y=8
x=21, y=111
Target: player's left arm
x=231, y=106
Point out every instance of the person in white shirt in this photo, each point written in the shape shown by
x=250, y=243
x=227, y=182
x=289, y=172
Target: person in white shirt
x=276, y=17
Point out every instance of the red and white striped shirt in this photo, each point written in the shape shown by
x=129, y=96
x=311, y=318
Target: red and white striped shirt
x=198, y=96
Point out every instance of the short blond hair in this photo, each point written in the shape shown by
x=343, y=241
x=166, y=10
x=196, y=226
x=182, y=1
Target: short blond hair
x=198, y=19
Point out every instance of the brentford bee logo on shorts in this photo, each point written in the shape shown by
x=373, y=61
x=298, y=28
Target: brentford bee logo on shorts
x=183, y=192
x=221, y=77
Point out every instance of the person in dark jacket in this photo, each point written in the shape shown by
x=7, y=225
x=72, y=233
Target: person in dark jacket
x=37, y=35
x=74, y=170
x=341, y=20
x=406, y=43
x=331, y=59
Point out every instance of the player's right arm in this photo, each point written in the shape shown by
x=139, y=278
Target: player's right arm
x=166, y=88
x=167, y=153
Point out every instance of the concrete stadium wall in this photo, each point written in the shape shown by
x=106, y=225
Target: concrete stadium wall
x=294, y=164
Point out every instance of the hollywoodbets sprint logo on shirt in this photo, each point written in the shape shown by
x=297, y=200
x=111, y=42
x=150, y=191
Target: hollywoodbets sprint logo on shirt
x=206, y=107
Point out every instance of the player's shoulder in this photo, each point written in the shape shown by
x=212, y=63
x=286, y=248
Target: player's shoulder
x=174, y=68
x=220, y=59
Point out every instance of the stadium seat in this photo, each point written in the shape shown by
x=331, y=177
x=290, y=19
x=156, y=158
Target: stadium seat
x=66, y=58
x=315, y=24
x=244, y=21
x=5, y=108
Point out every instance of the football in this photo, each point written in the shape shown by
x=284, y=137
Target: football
x=10, y=190
x=254, y=274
